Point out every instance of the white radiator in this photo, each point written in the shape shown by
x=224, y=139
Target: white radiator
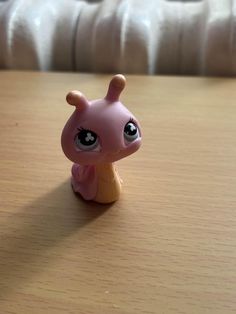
x=128, y=36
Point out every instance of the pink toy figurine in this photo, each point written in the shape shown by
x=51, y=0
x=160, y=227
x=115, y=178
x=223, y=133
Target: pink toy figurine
x=98, y=133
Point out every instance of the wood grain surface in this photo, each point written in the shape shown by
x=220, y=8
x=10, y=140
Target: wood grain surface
x=167, y=246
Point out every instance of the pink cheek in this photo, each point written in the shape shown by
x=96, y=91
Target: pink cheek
x=86, y=158
x=133, y=146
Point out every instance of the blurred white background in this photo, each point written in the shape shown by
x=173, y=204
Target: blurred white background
x=128, y=36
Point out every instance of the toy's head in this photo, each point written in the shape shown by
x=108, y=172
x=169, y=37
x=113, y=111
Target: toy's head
x=100, y=131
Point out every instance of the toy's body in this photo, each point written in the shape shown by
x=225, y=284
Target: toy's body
x=97, y=134
x=100, y=183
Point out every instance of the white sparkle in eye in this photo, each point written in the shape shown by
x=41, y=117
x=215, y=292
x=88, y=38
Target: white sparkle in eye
x=132, y=127
x=89, y=137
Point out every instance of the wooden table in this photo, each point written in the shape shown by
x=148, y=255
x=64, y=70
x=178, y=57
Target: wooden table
x=167, y=246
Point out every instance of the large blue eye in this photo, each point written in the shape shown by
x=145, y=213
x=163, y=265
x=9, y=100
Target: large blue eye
x=86, y=140
x=131, y=131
